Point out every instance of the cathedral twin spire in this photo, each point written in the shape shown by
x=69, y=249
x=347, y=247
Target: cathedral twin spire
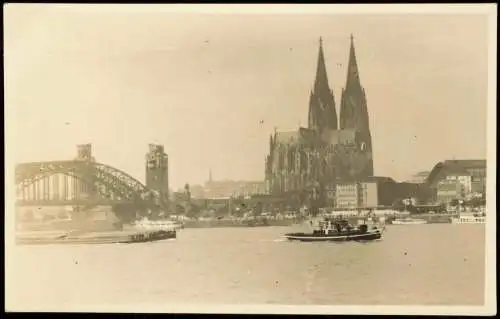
x=321, y=80
x=322, y=113
x=353, y=106
x=353, y=110
x=352, y=68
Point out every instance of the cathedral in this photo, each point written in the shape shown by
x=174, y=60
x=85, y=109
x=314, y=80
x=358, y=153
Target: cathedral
x=331, y=149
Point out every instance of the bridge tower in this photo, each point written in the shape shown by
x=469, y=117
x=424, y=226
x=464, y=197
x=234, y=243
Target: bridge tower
x=157, y=170
x=83, y=189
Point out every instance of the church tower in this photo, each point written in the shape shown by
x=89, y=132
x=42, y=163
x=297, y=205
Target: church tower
x=354, y=110
x=322, y=114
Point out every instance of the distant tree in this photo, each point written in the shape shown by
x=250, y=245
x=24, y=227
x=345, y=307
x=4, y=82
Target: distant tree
x=179, y=209
x=412, y=209
x=187, y=192
x=398, y=204
x=476, y=202
x=258, y=208
x=238, y=212
x=193, y=211
x=124, y=212
x=211, y=213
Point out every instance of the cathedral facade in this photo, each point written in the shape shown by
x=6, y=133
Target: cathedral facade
x=331, y=149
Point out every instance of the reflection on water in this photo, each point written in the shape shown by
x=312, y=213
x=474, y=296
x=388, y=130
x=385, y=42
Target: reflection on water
x=435, y=264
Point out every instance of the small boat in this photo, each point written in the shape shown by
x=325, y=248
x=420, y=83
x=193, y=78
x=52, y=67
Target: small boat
x=468, y=218
x=158, y=224
x=339, y=230
x=409, y=221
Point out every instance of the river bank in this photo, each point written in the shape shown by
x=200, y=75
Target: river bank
x=262, y=222
x=219, y=223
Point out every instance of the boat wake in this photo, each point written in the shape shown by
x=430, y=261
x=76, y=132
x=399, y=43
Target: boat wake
x=275, y=240
x=366, y=242
x=281, y=239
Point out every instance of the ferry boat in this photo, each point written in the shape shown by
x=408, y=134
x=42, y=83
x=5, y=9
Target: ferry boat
x=469, y=218
x=166, y=225
x=409, y=221
x=339, y=230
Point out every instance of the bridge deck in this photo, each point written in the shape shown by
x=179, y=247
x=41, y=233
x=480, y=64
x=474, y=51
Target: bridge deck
x=64, y=183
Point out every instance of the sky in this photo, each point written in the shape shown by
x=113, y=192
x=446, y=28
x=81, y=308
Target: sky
x=212, y=87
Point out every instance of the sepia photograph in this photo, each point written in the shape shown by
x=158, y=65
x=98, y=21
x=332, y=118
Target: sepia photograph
x=296, y=159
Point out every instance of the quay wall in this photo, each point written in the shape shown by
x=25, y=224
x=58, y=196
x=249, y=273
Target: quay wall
x=237, y=223
x=430, y=218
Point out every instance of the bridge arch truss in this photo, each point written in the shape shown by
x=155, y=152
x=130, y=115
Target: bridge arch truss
x=82, y=181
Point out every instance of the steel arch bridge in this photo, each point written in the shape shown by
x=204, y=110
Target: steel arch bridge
x=82, y=182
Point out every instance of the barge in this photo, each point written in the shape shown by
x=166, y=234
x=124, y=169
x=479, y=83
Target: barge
x=112, y=237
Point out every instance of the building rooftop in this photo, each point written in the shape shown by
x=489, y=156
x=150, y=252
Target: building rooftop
x=419, y=177
x=378, y=179
x=466, y=163
x=335, y=137
x=300, y=136
x=454, y=167
x=290, y=137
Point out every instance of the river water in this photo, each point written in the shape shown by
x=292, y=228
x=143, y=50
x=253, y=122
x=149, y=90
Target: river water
x=434, y=264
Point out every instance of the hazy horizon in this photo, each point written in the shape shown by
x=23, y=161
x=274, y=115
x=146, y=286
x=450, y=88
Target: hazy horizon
x=202, y=84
